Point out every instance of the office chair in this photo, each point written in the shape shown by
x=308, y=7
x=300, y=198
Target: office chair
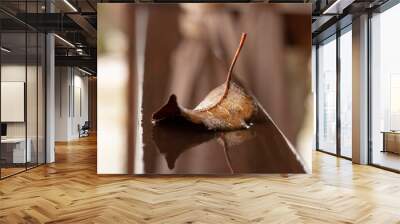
x=84, y=130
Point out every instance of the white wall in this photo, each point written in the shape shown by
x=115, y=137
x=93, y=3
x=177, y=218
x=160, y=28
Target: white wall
x=80, y=84
x=62, y=81
x=71, y=87
x=33, y=127
x=12, y=73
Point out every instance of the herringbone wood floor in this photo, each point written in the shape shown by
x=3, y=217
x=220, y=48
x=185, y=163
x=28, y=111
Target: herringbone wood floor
x=69, y=191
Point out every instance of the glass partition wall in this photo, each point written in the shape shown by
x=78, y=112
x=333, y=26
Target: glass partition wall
x=22, y=77
x=13, y=88
x=385, y=89
x=334, y=93
x=345, y=91
x=327, y=95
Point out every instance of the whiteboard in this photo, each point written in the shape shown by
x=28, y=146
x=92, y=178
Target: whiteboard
x=12, y=101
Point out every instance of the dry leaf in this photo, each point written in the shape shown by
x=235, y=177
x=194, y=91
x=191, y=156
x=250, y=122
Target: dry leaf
x=227, y=107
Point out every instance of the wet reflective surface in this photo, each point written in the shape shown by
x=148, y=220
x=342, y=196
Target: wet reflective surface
x=179, y=147
x=272, y=68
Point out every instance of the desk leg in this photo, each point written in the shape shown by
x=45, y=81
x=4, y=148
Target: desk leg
x=384, y=142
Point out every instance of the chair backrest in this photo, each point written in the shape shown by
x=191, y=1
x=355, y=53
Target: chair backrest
x=86, y=124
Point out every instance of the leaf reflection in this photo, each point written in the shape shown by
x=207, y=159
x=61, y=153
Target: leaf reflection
x=174, y=136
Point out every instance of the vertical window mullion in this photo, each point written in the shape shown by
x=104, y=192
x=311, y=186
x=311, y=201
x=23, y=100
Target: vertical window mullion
x=26, y=87
x=0, y=92
x=369, y=91
x=37, y=90
x=317, y=96
x=338, y=76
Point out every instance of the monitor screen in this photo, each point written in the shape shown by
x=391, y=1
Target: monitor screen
x=3, y=129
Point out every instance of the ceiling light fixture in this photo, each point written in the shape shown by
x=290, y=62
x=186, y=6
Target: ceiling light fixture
x=79, y=51
x=65, y=41
x=337, y=7
x=84, y=71
x=70, y=5
x=5, y=50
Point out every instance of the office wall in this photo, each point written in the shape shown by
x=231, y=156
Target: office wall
x=80, y=105
x=92, y=98
x=71, y=102
x=14, y=73
x=33, y=126
x=23, y=61
x=62, y=80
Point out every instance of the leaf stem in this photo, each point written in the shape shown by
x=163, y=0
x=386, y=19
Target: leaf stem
x=228, y=79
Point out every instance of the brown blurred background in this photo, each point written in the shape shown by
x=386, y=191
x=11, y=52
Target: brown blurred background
x=186, y=49
x=190, y=46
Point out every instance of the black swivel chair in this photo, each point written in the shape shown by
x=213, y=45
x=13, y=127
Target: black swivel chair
x=84, y=130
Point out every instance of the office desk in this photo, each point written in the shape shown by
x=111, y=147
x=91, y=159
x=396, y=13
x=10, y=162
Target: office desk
x=15, y=148
x=391, y=141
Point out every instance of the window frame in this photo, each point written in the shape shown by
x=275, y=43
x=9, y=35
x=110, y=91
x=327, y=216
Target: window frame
x=378, y=10
x=333, y=37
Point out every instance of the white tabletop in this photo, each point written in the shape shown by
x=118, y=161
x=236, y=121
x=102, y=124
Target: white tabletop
x=13, y=140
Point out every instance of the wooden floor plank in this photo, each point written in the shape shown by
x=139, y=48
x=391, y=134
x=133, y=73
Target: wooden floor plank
x=69, y=191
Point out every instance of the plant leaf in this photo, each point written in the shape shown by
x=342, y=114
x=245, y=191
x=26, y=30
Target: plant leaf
x=227, y=107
